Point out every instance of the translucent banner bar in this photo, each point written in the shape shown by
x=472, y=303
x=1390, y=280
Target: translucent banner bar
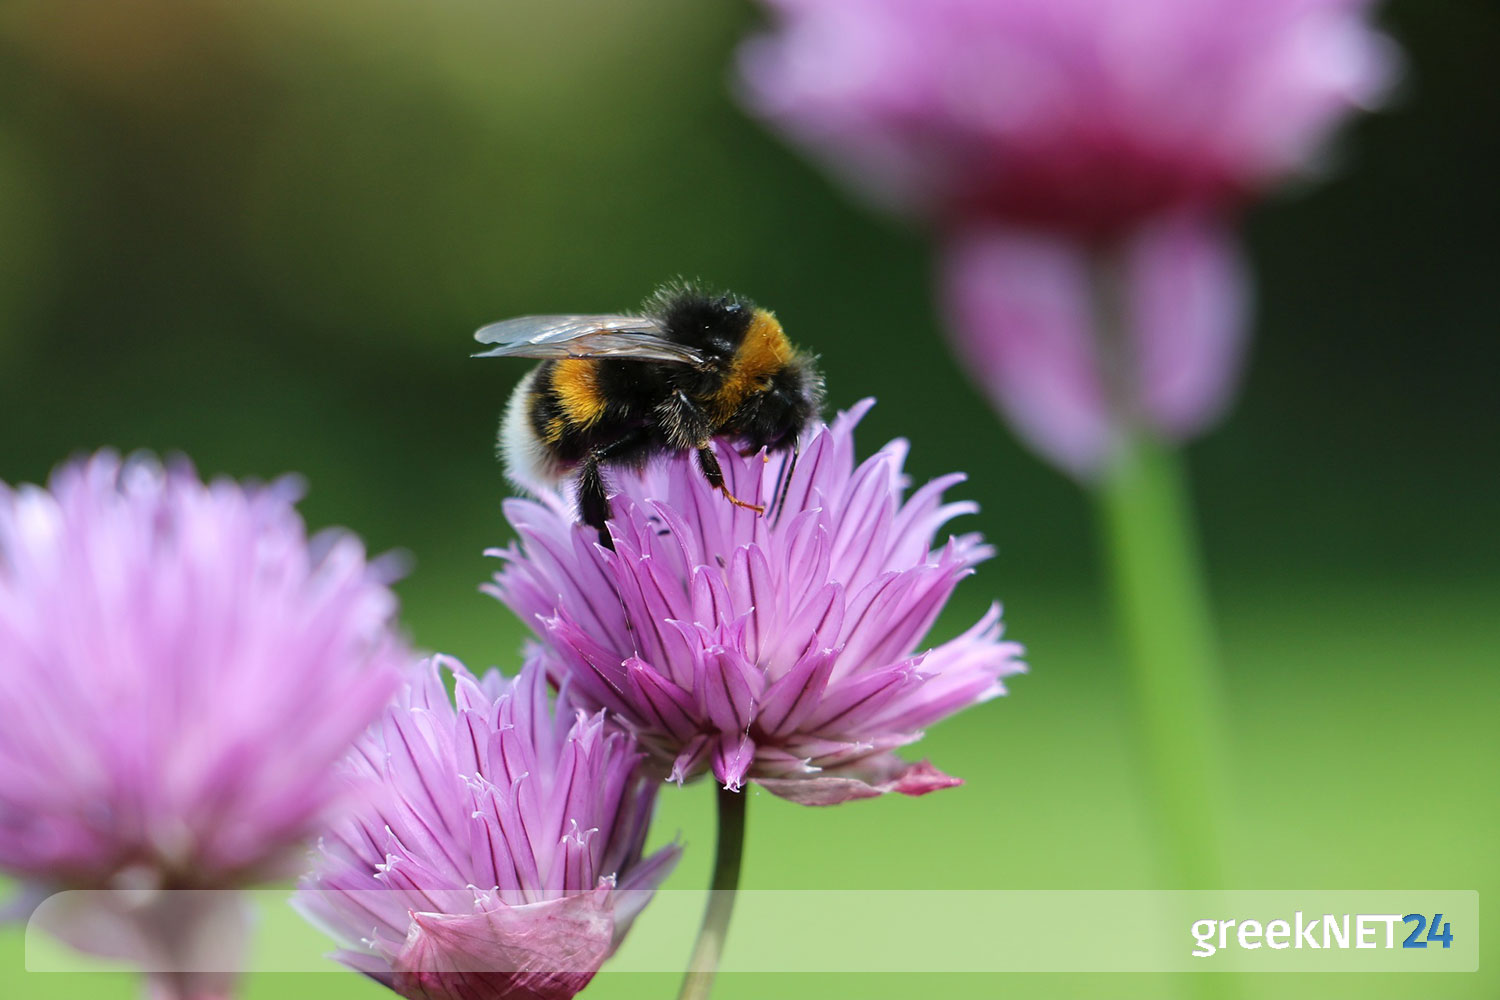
x=829, y=931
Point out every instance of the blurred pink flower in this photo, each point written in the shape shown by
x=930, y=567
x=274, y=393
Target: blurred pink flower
x=782, y=648
x=496, y=849
x=1024, y=307
x=1081, y=115
x=180, y=672
x=1040, y=137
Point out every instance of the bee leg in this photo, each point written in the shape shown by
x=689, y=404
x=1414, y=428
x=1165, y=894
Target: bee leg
x=709, y=463
x=593, y=500
x=593, y=492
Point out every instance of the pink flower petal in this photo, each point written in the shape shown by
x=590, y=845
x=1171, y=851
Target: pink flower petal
x=1188, y=313
x=1019, y=312
x=871, y=778
x=732, y=759
x=1027, y=310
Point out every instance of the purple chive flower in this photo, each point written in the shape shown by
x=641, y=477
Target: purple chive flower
x=180, y=672
x=496, y=850
x=1038, y=136
x=1074, y=115
x=781, y=649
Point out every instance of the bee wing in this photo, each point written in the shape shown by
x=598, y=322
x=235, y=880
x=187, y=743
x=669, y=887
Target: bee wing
x=638, y=338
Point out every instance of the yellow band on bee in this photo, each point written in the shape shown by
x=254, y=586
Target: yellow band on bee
x=576, y=383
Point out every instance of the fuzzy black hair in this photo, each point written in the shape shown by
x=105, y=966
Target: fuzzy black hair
x=694, y=314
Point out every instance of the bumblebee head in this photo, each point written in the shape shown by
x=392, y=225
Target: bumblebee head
x=774, y=417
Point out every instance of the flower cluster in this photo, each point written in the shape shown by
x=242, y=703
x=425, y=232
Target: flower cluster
x=782, y=649
x=496, y=849
x=191, y=689
x=211, y=669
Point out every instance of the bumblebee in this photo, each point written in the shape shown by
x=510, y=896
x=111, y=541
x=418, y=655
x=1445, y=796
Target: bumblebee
x=614, y=391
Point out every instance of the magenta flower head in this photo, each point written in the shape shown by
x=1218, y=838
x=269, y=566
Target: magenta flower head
x=496, y=850
x=1076, y=115
x=782, y=648
x=180, y=673
x=1033, y=135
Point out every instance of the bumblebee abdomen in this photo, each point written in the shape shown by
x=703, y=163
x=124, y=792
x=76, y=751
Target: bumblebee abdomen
x=530, y=461
x=564, y=411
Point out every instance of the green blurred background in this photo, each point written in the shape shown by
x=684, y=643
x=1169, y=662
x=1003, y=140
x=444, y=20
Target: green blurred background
x=261, y=233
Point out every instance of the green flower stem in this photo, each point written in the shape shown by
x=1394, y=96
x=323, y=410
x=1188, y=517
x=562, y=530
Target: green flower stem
x=699, y=980
x=1162, y=609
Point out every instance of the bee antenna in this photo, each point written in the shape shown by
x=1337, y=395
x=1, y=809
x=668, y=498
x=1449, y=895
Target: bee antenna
x=784, y=481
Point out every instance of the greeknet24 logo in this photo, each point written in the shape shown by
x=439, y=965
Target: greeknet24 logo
x=1321, y=932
